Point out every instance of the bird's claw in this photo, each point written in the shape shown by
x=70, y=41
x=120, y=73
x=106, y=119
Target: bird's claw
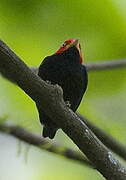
x=49, y=82
x=68, y=103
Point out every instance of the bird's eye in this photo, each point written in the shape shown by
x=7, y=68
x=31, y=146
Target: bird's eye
x=64, y=44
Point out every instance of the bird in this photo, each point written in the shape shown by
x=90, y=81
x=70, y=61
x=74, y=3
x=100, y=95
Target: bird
x=64, y=68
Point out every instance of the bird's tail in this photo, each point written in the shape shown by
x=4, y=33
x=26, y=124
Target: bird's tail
x=49, y=132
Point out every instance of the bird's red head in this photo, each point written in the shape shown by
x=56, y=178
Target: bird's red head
x=69, y=43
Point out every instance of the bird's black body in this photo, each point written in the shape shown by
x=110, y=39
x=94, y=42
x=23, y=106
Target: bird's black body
x=65, y=70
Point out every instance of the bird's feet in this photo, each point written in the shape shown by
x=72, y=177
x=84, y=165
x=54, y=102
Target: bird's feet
x=49, y=82
x=68, y=103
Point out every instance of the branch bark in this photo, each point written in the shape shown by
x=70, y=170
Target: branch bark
x=106, y=139
x=51, y=99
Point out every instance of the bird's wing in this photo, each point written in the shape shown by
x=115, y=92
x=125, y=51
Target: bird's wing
x=74, y=85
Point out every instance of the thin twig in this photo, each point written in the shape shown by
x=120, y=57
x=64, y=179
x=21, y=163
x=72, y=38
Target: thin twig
x=42, y=143
x=107, y=65
x=100, y=66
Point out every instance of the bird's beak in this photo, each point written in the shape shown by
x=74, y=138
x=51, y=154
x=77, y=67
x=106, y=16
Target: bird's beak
x=75, y=42
x=77, y=45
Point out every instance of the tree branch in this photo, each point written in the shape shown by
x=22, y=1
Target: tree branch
x=106, y=139
x=42, y=143
x=107, y=65
x=50, y=99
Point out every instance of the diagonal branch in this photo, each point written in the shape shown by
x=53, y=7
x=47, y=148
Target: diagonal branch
x=42, y=143
x=51, y=99
x=106, y=139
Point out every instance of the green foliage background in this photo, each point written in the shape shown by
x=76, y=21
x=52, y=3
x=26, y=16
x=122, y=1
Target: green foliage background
x=35, y=29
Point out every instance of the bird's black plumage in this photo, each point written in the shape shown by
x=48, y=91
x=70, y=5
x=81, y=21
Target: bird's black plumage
x=65, y=70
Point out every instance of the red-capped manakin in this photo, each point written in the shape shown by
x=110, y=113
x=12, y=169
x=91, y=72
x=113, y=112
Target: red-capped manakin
x=64, y=68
